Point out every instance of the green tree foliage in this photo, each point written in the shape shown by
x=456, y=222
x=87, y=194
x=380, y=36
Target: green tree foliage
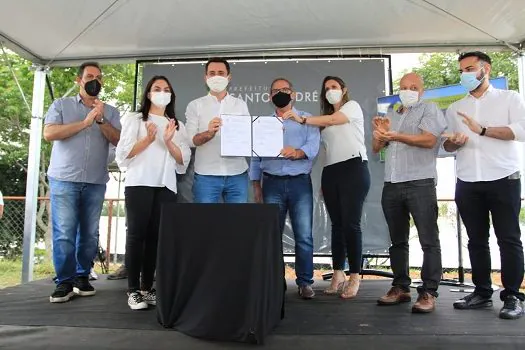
x=119, y=209
x=15, y=119
x=439, y=69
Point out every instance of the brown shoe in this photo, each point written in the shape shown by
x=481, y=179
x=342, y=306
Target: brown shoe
x=395, y=296
x=425, y=303
x=306, y=292
x=120, y=274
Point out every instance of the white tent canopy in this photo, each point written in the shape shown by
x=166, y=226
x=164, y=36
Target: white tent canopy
x=64, y=31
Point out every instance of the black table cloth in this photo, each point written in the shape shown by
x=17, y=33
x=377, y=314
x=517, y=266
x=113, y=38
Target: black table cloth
x=220, y=270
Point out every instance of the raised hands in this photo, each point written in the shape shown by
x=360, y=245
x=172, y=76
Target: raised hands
x=151, y=129
x=456, y=138
x=170, y=131
x=381, y=129
x=381, y=123
x=96, y=113
x=471, y=123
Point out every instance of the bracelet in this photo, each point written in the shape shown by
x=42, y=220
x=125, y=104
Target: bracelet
x=303, y=120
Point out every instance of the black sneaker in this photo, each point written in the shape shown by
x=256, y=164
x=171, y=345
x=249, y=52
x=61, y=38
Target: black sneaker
x=82, y=287
x=63, y=293
x=512, y=308
x=473, y=301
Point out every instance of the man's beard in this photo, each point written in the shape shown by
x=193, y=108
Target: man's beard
x=482, y=80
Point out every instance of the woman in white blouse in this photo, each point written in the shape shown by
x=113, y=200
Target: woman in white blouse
x=345, y=181
x=153, y=148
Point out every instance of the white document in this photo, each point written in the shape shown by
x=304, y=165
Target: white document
x=267, y=137
x=236, y=135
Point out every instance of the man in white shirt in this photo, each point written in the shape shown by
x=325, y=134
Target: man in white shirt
x=216, y=177
x=484, y=127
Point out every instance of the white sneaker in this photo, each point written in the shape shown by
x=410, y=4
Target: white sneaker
x=136, y=302
x=93, y=275
x=150, y=297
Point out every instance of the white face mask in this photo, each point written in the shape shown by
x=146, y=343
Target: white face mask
x=334, y=96
x=408, y=97
x=217, y=83
x=160, y=98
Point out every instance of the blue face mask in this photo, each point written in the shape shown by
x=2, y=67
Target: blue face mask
x=470, y=80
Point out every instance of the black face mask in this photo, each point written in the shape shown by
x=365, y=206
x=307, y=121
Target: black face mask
x=93, y=87
x=281, y=99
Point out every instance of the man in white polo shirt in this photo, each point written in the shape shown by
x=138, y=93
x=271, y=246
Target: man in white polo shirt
x=216, y=177
x=484, y=127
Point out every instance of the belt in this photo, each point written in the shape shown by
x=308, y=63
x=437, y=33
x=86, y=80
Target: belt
x=284, y=177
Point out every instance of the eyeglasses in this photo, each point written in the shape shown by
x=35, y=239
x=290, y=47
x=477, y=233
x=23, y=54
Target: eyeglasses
x=285, y=90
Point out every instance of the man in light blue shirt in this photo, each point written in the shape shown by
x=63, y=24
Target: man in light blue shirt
x=286, y=181
x=82, y=128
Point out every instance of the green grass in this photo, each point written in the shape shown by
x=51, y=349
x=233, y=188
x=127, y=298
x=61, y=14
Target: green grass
x=11, y=272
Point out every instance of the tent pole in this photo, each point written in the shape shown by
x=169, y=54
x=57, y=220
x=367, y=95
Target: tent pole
x=115, y=255
x=33, y=172
x=521, y=72
x=521, y=81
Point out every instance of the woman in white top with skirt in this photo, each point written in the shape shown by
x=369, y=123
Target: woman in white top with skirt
x=345, y=181
x=153, y=148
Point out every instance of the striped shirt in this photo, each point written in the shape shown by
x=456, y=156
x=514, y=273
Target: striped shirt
x=408, y=163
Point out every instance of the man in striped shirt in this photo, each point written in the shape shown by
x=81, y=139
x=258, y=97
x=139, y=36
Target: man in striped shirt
x=411, y=137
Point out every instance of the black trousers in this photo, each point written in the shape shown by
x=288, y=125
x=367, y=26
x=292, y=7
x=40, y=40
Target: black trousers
x=345, y=186
x=399, y=201
x=500, y=198
x=143, y=205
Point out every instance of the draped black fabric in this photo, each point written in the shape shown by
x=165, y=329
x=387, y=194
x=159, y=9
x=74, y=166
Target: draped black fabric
x=220, y=270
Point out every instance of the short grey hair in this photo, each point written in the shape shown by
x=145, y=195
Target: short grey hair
x=281, y=79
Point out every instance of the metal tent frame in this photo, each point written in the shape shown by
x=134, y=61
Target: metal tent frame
x=95, y=33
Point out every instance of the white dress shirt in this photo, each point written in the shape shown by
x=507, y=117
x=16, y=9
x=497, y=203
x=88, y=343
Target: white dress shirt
x=208, y=159
x=345, y=141
x=155, y=166
x=485, y=158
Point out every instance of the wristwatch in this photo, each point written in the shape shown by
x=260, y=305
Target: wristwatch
x=101, y=121
x=483, y=131
x=303, y=120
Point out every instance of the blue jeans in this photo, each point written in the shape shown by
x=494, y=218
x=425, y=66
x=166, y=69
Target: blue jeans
x=75, y=215
x=294, y=195
x=211, y=189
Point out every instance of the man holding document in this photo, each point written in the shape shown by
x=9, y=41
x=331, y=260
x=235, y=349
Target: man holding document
x=285, y=180
x=216, y=176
